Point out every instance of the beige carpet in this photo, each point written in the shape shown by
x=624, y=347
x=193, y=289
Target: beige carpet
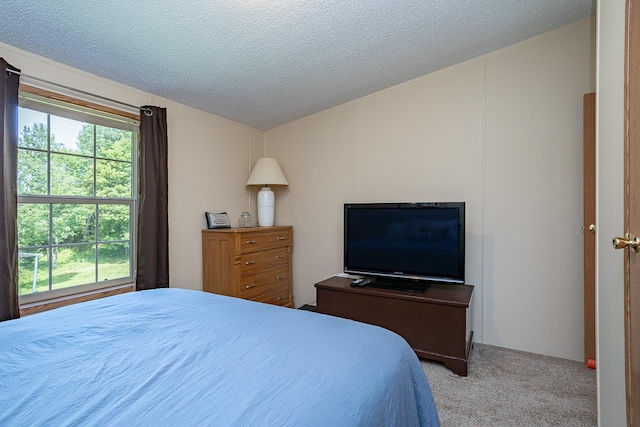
x=514, y=388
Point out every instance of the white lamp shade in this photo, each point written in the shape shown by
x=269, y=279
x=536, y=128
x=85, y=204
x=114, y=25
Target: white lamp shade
x=267, y=172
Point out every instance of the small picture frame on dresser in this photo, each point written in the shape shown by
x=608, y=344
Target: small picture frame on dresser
x=217, y=220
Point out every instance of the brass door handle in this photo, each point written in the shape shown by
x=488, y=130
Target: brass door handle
x=629, y=241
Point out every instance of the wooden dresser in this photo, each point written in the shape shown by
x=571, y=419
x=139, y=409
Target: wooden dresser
x=251, y=263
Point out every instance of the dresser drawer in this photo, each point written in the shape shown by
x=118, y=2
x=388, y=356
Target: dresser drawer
x=279, y=296
x=259, y=241
x=253, y=262
x=264, y=282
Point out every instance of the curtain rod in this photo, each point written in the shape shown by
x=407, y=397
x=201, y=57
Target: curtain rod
x=147, y=111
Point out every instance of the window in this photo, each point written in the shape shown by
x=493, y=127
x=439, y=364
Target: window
x=76, y=198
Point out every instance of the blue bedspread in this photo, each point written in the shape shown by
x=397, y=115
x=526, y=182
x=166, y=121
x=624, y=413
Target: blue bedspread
x=174, y=357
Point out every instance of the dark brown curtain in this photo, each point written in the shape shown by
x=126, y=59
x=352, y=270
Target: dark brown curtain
x=153, y=223
x=9, y=193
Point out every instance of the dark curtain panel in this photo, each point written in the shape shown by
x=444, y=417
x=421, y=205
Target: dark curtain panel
x=9, y=193
x=153, y=224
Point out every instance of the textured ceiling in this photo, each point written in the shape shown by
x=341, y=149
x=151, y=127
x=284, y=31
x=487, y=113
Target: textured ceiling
x=268, y=62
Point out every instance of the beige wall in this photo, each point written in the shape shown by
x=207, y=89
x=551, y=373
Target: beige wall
x=533, y=264
x=209, y=159
x=503, y=133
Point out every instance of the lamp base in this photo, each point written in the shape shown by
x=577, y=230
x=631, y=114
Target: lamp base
x=266, y=207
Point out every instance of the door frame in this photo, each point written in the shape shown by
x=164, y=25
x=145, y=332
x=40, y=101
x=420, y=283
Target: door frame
x=589, y=221
x=632, y=208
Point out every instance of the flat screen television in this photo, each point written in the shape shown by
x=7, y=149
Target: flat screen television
x=408, y=243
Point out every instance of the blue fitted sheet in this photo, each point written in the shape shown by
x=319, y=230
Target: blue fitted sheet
x=172, y=357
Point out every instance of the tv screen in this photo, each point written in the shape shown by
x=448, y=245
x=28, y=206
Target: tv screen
x=418, y=241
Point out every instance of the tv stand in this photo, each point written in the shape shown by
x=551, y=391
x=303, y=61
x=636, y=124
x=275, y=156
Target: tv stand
x=434, y=322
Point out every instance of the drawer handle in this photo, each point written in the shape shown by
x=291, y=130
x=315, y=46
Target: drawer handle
x=281, y=298
x=279, y=256
x=280, y=238
x=280, y=277
x=253, y=285
x=249, y=262
x=250, y=242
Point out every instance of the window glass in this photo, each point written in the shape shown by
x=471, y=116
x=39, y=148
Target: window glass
x=113, y=179
x=32, y=127
x=114, y=223
x=32, y=172
x=71, y=175
x=71, y=136
x=113, y=144
x=33, y=270
x=113, y=261
x=73, y=223
x=33, y=224
x=73, y=265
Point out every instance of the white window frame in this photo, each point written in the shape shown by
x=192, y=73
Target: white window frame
x=95, y=116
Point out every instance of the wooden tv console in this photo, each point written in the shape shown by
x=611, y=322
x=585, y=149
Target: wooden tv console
x=433, y=322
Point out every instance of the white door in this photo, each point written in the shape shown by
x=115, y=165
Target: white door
x=610, y=214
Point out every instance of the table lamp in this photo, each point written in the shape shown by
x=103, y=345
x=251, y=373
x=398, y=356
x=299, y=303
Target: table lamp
x=266, y=172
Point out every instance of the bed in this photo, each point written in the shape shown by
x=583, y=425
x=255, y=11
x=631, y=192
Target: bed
x=189, y=358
